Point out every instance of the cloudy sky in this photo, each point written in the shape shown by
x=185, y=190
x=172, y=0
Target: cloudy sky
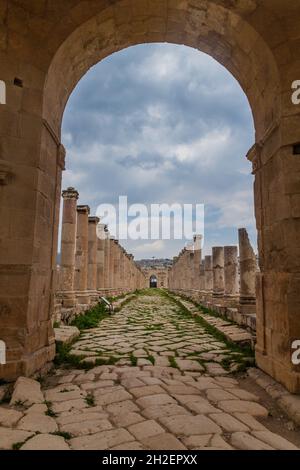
x=161, y=123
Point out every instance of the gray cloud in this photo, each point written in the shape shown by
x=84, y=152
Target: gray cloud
x=163, y=123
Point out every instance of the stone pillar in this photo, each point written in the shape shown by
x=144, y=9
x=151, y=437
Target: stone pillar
x=92, y=259
x=101, y=255
x=197, y=262
x=122, y=270
x=82, y=246
x=132, y=281
x=208, y=268
x=202, y=277
x=106, y=261
x=231, y=272
x=189, y=266
x=218, y=271
x=68, y=247
x=248, y=270
x=116, y=265
x=128, y=273
x=112, y=286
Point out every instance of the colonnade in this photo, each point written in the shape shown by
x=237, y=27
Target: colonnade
x=226, y=279
x=92, y=262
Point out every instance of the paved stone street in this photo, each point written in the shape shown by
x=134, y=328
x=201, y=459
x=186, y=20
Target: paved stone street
x=170, y=388
x=152, y=331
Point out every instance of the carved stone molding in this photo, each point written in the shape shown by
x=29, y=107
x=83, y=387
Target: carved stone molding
x=254, y=157
x=61, y=157
x=70, y=193
x=5, y=172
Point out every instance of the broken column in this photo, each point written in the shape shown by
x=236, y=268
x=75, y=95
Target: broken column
x=231, y=273
x=248, y=270
x=92, y=258
x=68, y=247
x=82, y=244
x=208, y=274
x=218, y=271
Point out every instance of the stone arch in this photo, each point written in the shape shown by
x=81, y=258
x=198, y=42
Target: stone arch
x=47, y=48
x=153, y=281
x=207, y=26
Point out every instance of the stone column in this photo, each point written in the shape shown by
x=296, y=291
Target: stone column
x=132, y=280
x=182, y=270
x=202, y=277
x=68, y=247
x=112, y=286
x=92, y=259
x=248, y=270
x=82, y=246
x=116, y=265
x=127, y=272
x=231, y=272
x=218, y=271
x=197, y=262
x=122, y=269
x=101, y=254
x=208, y=274
x=189, y=266
x=106, y=261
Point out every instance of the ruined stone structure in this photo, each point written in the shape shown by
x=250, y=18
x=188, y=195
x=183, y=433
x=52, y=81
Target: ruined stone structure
x=221, y=280
x=45, y=49
x=161, y=274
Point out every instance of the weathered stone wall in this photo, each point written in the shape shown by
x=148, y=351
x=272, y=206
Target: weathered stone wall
x=162, y=275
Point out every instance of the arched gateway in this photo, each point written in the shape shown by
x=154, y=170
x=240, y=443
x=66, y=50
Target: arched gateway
x=153, y=282
x=44, y=56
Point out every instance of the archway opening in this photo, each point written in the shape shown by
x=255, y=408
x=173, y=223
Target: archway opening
x=153, y=282
x=175, y=128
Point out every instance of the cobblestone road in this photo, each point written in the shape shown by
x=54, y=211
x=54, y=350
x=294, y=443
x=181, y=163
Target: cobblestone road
x=171, y=388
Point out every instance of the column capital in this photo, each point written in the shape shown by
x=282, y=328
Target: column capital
x=83, y=209
x=94, y=220
x=70, y=193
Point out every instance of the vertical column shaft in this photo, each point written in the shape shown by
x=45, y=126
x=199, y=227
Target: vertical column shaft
x=68, y=246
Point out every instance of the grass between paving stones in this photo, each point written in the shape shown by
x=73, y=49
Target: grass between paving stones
x=66, y=359
x=126, y=302
x=18, y=445
x=91, y=318
x=246, y=353
x=173, y=362
x=151, y=359
x=50, y=411
x=65, y=435
x=90, y=399
x=133, y=360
